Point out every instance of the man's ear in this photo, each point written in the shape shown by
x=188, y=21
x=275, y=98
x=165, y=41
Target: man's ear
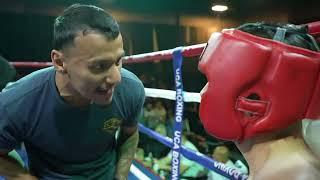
x=57, y=61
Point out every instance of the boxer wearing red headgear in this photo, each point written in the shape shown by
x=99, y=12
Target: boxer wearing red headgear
x=259, y=90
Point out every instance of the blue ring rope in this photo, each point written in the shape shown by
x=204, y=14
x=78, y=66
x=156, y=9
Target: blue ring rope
x=198, y=157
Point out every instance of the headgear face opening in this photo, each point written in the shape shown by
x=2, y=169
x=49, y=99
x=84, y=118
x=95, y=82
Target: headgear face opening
x=256, y=85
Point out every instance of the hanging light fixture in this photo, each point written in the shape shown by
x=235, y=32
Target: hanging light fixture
x=219, y=6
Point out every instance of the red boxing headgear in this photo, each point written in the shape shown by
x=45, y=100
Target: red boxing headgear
x=256, y=85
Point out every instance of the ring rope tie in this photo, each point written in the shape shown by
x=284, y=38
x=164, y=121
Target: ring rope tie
x=178, y=118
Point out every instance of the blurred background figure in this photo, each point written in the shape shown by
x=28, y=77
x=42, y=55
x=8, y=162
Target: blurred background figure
x=148, y=114
x=158, y=150
x=160, y=112
x=222, y=154
x=139, y=155
x=7, y=73
x=188, y=169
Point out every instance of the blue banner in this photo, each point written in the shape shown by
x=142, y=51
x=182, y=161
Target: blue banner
x=178, y=124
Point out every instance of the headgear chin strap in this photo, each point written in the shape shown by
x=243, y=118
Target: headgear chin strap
x=256, y=85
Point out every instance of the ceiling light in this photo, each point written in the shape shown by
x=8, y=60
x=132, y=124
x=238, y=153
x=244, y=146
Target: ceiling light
x=219, y=8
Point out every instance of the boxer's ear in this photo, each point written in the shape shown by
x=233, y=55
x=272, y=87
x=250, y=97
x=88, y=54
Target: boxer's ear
x=57, y=61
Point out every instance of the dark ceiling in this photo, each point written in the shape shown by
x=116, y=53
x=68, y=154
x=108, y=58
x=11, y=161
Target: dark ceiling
x=297, y=10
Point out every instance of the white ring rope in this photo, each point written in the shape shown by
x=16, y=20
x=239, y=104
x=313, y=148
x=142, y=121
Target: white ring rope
x=138, y=173
x=171, y=95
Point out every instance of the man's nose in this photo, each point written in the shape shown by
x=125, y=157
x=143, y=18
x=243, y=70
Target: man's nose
x=114, y=75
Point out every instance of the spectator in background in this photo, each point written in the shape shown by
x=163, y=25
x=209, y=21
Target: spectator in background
x=148, y=80
x=153, y=146
x=191, y=111
x=160, y=150
x=149, y=116
x=222, y=154
x=170, y=122
x=139, y=155
x=160, y=111
x=7, y=72
x=188, y=169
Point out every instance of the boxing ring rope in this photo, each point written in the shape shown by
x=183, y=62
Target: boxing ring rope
x=188, y=51
x=175, y=55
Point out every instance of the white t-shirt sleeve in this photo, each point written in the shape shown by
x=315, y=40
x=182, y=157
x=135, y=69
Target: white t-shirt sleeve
x=241, y=166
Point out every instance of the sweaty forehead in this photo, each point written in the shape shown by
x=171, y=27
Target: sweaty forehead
x=97, y=40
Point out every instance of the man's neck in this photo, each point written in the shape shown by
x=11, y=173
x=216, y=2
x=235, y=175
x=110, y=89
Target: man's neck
x=255, y=154
x=273, y=158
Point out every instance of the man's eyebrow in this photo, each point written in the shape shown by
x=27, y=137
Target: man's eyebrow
x=100, y=60
x=107, y=59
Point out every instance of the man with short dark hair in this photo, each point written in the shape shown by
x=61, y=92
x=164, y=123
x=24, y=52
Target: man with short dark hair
x=68, y=115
